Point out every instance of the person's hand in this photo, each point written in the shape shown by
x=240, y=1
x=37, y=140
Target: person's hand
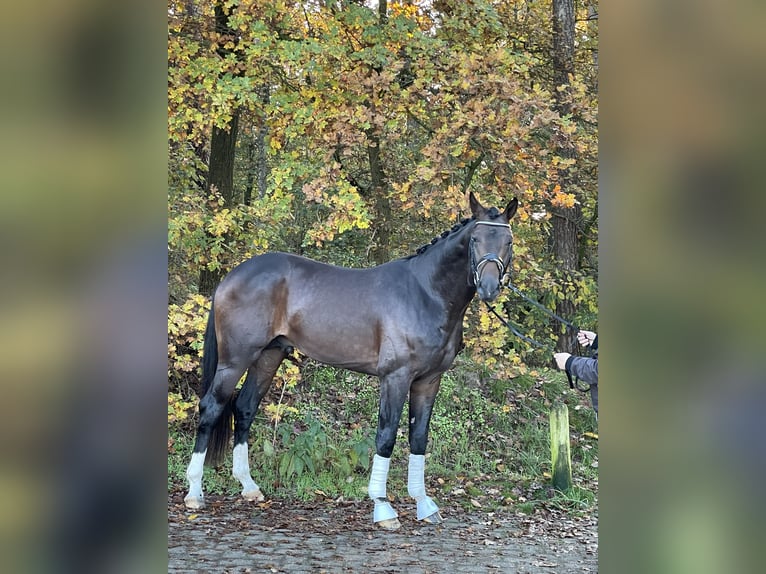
x=561, y=359
x=586, y=338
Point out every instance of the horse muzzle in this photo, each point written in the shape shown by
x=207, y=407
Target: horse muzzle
x=488, y=286
x=488, y=289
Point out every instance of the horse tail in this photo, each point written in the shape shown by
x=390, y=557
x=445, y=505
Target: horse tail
x=221, y=431
x=209, y=352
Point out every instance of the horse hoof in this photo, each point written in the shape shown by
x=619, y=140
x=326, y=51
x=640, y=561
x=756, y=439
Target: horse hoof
x=194, y=503
x=253, y=495
x=389, y=524
x=435, y=518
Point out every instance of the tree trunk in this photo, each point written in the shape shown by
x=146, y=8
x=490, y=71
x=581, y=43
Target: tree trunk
x=257, y=163
x=565, y=239
x=221, y=178
x=563, y=48
x=566, y=248
x=381, y=251
x=223, y=146
x=250, y=151
x=223, y=143
x=263, y=130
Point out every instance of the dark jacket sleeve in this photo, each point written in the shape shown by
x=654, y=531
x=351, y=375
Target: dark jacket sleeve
x=584, y=368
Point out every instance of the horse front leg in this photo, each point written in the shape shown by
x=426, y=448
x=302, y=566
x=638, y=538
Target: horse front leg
x=422, y=398
x=393, y=393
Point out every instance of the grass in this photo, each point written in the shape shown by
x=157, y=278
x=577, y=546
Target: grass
x=489, y=442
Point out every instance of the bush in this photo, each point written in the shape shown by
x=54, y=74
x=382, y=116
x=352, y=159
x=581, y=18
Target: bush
x=488, y=435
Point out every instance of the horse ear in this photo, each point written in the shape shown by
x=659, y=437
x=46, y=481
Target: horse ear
x=476, y=207
x=510, y=209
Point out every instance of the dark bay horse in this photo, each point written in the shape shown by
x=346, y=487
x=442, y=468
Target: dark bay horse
x=401, y=321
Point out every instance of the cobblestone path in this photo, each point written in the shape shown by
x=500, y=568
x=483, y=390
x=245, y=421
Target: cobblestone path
x=233, y=536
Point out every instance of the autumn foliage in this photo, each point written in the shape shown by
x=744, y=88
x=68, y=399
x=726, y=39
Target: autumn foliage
x=361, y=128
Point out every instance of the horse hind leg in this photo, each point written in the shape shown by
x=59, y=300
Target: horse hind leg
x=213, y=431
x=255, y=387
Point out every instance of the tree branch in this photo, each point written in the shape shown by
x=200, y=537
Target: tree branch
x=363, y=189
x=471, y=171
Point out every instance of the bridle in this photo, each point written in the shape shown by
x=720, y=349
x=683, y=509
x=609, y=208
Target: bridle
x=477, y=266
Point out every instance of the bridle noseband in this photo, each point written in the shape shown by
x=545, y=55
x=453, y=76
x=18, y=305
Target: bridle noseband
x=477, y=266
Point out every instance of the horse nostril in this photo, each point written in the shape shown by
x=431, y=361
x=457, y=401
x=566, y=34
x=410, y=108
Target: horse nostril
x=488, y=293
x=488, y=289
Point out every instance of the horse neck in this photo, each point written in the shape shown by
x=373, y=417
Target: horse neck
x=449, y=268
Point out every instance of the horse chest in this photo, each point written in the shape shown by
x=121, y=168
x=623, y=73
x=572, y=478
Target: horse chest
x=441, y=351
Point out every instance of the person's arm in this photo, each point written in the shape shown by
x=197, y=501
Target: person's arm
x=584, y=368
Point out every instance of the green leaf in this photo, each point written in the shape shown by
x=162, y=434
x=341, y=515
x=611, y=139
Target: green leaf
x=268, y=448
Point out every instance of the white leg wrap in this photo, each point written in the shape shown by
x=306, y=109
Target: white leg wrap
x=377, y=489
x=378, y=477
x=194, y=476
x=416, y=486
x=241, y=471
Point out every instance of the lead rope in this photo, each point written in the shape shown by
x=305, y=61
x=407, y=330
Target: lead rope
x=516, y=331
x=573, y=384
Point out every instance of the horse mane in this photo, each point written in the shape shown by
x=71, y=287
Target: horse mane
x=455, y=228
x=492, y=213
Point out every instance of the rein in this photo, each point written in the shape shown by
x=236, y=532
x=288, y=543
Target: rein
x=572, y=384
x=515, y=329
x=543, y=308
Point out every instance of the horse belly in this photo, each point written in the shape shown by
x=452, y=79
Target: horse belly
x=337, y=342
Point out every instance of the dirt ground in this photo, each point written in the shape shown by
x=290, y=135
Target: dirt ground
x=232, y=535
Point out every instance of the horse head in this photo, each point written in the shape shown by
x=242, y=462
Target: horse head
x=490, y=247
